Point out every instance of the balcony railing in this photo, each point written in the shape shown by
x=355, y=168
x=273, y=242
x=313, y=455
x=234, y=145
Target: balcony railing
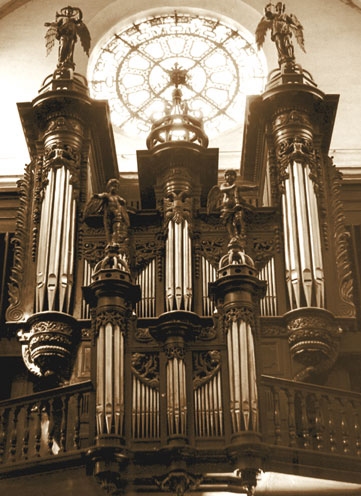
x=314, y=426
x=44, y=424
x=310, y=417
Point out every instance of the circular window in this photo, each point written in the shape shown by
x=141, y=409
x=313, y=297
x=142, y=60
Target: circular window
x=133, y=71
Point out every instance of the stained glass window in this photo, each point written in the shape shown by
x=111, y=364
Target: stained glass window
x=132, y=71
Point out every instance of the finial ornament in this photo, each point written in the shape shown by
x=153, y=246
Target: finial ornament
x=282, y=27
x=68, y=26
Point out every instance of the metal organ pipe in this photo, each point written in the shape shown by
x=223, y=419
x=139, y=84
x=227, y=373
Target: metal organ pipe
x=110, y=380
x=55, y=259
x=303, y=256
x=179, y=267
x=242, y=377
x=176, y=396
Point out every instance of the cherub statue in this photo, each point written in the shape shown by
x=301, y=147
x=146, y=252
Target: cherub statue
x=66, y=28
x=228, y=198
x=113, y=208
x=282, y=26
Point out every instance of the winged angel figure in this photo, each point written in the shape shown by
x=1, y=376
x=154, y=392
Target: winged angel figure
x=228, y=199
x=66, y=28
x=282, y=27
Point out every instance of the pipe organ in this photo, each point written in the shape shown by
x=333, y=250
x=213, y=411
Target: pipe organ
x=184, y=302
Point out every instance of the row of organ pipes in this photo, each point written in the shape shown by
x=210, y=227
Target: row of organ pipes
x=303, y=256
x=55, y=260
x=242, y=376
x=110, y=379
x=178, y=273
x=145, y=410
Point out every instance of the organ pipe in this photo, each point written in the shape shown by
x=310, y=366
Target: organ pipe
x=208, y=410
x=176, y=397
x=303, y=256
x=146, y=280
x=242, y=377
x=55, y=259
x=268, y=304
x=110, y=380
x=179, y=267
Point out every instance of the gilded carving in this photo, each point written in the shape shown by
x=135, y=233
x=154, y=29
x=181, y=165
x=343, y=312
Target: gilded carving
x=145, y=366
x=206, y=365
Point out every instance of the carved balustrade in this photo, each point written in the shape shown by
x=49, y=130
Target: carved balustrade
x=44, y=424
x=310, y=418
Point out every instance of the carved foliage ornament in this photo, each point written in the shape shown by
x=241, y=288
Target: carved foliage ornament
x=213, y=249
x=145, y=366
x=297, y=148
x=93, y=251
x=178, y=482
x=175, y=351
x=238, y=314
x=113, y=317
x=25, y=186
x=206, y=365
x=342, y=246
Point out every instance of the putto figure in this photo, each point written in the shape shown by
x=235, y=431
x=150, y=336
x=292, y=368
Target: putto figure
x=282, y=27
x=67, y=27
x=115, y=215
x=228, y=199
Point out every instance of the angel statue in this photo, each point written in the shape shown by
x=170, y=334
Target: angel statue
x=66, y=28
x=113, y=208
x=282, y=27
x=227, y=197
